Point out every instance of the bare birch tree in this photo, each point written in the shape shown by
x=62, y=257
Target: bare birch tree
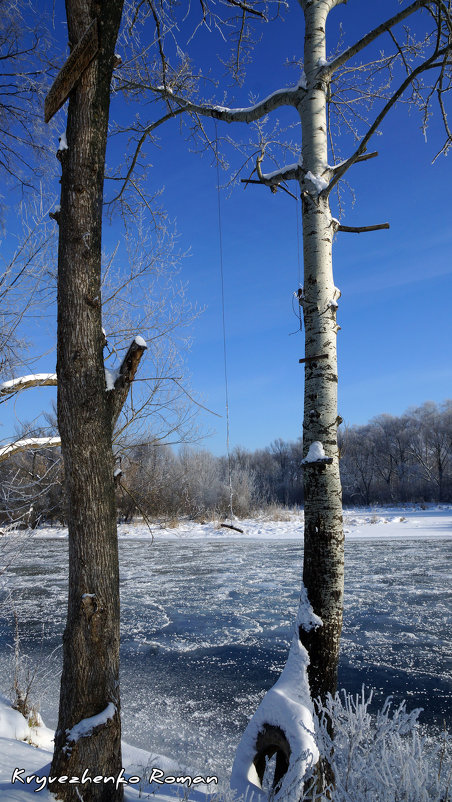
x=320, y=93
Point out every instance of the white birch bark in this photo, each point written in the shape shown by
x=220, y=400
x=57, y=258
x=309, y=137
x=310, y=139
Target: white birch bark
x=323, y=547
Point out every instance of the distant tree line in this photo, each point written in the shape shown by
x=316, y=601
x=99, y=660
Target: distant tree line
x=388, y=460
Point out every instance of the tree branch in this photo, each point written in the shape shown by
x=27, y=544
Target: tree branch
x=125, y=377
x=147, y=131
x=290, y=171
x=247, y=8
x=330, y=68
x=428, y=64
x=282, y=97
x=25, y=382
x=361, y=229
x=27, y=444
x=117, y=398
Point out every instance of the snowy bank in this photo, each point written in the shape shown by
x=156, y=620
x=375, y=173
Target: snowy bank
x=26, y=754
x=381, y=522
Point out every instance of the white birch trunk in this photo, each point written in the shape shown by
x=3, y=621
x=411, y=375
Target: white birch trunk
x=323, y=570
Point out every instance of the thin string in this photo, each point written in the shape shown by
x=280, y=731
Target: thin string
x=220, y=232
x=298, y=246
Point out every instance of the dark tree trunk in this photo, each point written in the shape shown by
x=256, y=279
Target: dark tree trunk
x=90, y=679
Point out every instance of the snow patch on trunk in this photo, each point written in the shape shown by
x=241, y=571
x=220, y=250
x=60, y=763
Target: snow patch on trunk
x=316, y=452
x=319, y=183
x=86, y=726
x=110, y=378
x=63, y=142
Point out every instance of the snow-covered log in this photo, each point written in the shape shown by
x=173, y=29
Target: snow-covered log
x=282, y=725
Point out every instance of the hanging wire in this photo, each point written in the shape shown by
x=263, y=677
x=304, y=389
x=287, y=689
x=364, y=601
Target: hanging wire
x=298, y=294
x=300, y=288
x=220, y=232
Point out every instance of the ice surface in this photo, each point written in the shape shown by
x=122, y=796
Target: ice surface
x=207, y=618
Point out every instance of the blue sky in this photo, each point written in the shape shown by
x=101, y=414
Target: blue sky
x=394, y=347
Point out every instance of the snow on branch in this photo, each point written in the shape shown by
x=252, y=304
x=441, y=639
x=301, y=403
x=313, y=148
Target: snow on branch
x=290, y=96
x=290, y=171
x=27, y=444
x=25, y=382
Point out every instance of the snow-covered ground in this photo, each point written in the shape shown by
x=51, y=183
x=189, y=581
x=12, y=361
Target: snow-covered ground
x=26, y=754
x=393, y=522
x=207, y=617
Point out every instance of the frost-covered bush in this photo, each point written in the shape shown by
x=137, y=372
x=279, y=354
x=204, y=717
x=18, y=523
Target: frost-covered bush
x=381, y=757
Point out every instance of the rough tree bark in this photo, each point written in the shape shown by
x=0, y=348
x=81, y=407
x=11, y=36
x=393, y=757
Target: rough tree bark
x=90, y=679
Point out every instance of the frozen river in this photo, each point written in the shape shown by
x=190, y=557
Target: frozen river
x=206, y=627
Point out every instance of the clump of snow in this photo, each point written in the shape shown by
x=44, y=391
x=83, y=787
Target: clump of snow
x=316, y=452
x=14, y=725
x=319, y=183
x=110, y=378
x=63, y=142
x=140, y=341
x=322, y=62
x=306, y=616
x=87, y=725
x=333, y=304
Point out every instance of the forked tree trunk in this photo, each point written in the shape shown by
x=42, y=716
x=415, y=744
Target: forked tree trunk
x=90, y=679
x=323, y=569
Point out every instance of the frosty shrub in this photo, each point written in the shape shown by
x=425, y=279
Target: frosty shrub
x=381, y=757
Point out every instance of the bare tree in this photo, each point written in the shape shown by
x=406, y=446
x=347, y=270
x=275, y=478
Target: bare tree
x=430, y=444
x=24, y=44
x=320, y=93
x=86, y=415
